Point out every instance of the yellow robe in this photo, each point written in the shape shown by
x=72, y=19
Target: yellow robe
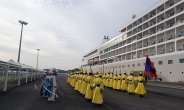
x=118, y=82
x=84, y=85
x=124, y=83
x=131, y=85
x=77, y=82
x=97, y=96
x=68, y=78
x=140, y=87
x=107, y=80
x=74, y=81
x=82, y=82
x=93, y=85
x=89, y=91
x=111, y=81
x=71, y=80
x=115, y=82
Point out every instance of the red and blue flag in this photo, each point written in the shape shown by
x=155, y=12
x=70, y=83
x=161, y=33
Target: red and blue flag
x=149, y=68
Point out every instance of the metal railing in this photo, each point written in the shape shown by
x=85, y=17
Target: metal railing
x=12, y=75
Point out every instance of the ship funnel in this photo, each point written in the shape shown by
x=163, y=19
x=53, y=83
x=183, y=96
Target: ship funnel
x=105, y=39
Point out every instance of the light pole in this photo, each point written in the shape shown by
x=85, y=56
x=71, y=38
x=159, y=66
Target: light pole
x=37, y=59
x=25, y=23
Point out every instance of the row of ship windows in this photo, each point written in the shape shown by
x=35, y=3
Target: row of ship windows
x=154, y=12
x=159, y=63
x=145, y=42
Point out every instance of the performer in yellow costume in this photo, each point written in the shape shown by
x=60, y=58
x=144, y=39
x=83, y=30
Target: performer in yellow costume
x=89, y=91
x=124, y=82
x=93, y=83
x=111, y=80
x=107, y=80
x=131, y=85
x=77, y=81
x=115, y=81
x=119, y=78
x=84, y=84
x=74, y=79
x=97, y=96
x=80, y=80
x=140, y=87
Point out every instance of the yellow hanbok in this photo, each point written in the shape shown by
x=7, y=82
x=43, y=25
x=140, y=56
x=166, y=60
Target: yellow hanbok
x=107, y=80
x=124, y=83
x=99, y=87
x=131, y=85
x=84, y=85
x=111, y=81
x=77, y=83
x=118, y=82
x=140, y=89
x=68, y=78
x=115, y=82
x=89, y=91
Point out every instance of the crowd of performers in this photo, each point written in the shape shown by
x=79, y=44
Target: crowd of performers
x=49, y=85
x=91, y=85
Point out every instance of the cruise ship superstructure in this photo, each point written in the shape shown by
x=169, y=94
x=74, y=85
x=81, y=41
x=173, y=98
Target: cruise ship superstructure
x=158, y=31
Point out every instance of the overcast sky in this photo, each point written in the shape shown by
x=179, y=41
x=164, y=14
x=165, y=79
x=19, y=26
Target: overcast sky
x=63, y=30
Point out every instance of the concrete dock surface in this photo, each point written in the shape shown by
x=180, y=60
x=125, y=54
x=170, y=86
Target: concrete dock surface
x=26, y=97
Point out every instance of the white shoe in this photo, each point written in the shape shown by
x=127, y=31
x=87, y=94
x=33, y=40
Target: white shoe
x=51, y=100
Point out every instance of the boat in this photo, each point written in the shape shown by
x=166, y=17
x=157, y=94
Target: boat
x=158, y=32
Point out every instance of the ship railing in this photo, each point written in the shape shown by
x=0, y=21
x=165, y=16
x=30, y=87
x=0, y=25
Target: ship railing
x=180, y=10
x=160, y=40
x=13, y=75
x=160, y=10
x=170, y=4
x=170, y=37
x=180, y=34
x=169, y=50
x=181, y=49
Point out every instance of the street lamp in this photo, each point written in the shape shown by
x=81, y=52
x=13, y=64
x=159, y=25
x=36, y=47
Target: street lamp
x=25, y=23
x=37, y=59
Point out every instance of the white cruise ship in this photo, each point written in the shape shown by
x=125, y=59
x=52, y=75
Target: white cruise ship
x=158, y=31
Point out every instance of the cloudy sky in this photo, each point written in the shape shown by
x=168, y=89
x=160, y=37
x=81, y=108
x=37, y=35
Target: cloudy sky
x=63, y=30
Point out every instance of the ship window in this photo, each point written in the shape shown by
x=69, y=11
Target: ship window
x=133, y=65
x=170, y=61
x=181, y=60
x=138, y=64
x=119, y=66
x=122, y=66
x=160, y=62
x=128, y=65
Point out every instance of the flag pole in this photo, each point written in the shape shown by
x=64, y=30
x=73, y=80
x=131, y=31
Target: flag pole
x=146, y=74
